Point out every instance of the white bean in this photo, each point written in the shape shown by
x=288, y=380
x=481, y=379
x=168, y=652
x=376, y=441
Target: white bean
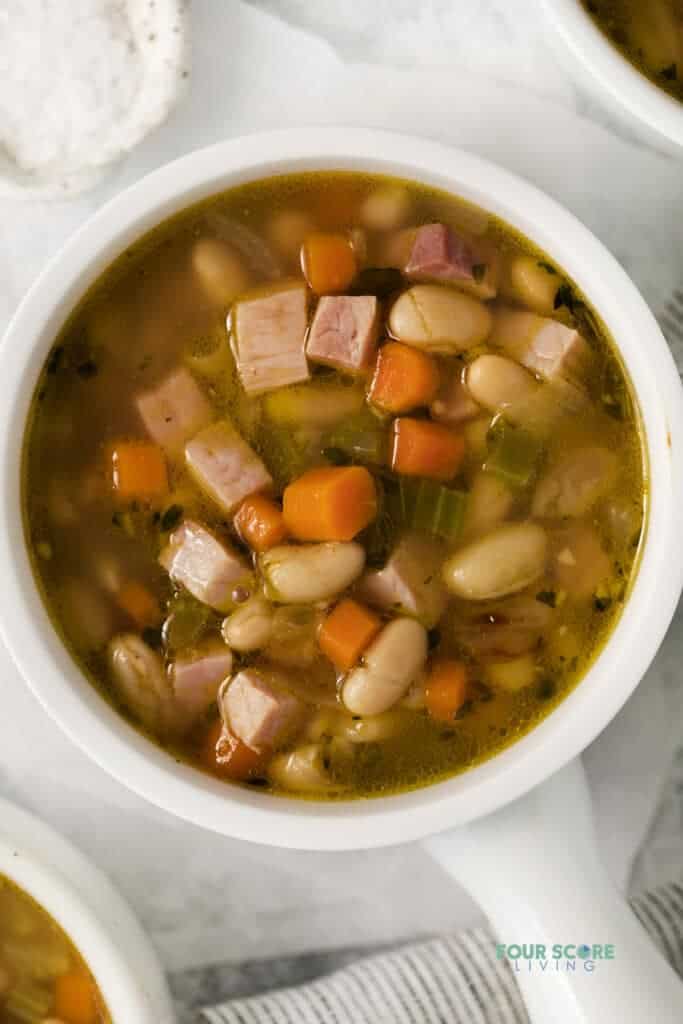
x=498, y=383
x=575, y=483
x=301, y=770
x=391, y=664
x=250, y=627
x=533, y=285
x=219, y=270
x=142, y=683
x=512, y=675
x=287, y=230
x=386, y=208
x=439, y=319
x=306, y=573
x=504, y=562
x=489, y=502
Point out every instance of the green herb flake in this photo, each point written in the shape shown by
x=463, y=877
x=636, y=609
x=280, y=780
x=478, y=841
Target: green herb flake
x=564, y=296
x=602, y=604
x=548, y=267
x=479, y=272
x=171, y=517
x=87, y=369
x=670, y=73
x=548, y=597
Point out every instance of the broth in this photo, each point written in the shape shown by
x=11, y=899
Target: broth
x=353, y=569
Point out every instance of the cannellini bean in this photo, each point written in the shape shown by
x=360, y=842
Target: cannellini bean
x=505, y=628
x=580, y=562
x=504, y=562
x=86, y=612
x=489, y=502
x=375, y=728
x=286, y=231
x=220, y=271
x=499, y=384
x=392, y=662
x=251, y=626
x=576, y=482
x=533, y=285
x=623, y=519
x=301, y=770
x=387, y=208
x=306, y=573
x=513, y=675
x=439, y=319
x=142, y=684
x=394, y=248
x=294, y=636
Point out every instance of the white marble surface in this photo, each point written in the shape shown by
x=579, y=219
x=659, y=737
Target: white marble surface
x=482, y=73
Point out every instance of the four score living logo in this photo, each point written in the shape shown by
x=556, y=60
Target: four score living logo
x=573, y=957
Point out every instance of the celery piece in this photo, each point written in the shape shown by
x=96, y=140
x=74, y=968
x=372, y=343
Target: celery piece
x=431, y=508
x=313, y=405
x=513, y=454
x=360, y=438
x=28, y=1003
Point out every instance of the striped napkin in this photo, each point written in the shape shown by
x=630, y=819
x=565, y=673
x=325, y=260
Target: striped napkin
x=455, y=980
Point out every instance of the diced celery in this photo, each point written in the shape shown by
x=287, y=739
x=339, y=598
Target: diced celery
x=513, y=454
x=431, y=508
x=28, y=1003
x=361, y=438
x=313, y=405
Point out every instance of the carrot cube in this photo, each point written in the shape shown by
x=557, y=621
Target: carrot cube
x=330, y=503
x=137, y=470
x=74, y=1001
x=404, y=378
x=446, y=690
x=346, y=632
x=260, y=523
x=224, y=755
x=137, y=602
x=328, y=263
x=423, y=448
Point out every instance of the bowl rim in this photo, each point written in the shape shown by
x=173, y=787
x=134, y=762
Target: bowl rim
x=621, y=79
x=91, y=912
x=187, y=793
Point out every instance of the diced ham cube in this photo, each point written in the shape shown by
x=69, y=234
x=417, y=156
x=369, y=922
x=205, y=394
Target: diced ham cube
x=142, y=685
x=224, y=465
x=269, y=328
x=204, y=565
x=257, y=711
x=546, y=347
x=344, y=332
x=438, y=254
x=410, y=582
x=196, y=679
x=174, y=410
x=453, y=403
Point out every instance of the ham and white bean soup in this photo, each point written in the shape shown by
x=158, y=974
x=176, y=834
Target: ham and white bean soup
x=649, y=33
x=334, y=485
x=43, y=978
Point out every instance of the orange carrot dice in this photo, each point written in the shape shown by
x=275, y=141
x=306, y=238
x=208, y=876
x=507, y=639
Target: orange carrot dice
x=423, y=448
x=260, y=523
x=346, y=632
x=137, y=602
x=446, y=690
x=330, y=503
x=74, y=1001
x=137, y=470
x=404, y=378
x=224, y=755
x=328, y=263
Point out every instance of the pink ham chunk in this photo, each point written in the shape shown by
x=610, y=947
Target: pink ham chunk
x=204, y=565
x=438, y=254
x=453, y=403
x=224, y=465
x=410, y=582
x=269, y=333
x=174, y=410
x=257, y=711
x=344, y=332
x=196, y=679
x=546, y=347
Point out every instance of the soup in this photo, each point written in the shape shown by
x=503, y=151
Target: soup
x=649, y=33
x=43, y=978
x=334, y=485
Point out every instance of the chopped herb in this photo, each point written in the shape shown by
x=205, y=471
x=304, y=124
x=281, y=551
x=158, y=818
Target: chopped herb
x=171, y=517
x=548, y=267
x=434, y=638
x=478, y=272
x=548, y=597
x=152, y=636
x=670, y=73
x=116, y=520
x=55, y=359
x=482, y=692
x=463, y=710
x=87, y=369
x=546, y=690
x=447, y=734
x=156, y=517
x=258, y=782
x=601, y=604
x=379, y=281
x=564, y=296
x=336, y=456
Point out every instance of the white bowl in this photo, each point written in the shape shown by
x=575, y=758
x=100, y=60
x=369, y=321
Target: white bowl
x=659, y=113
x=186, y=792
x=86, y=906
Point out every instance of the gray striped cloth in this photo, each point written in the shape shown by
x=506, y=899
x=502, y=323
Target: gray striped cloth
x=454, y=980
